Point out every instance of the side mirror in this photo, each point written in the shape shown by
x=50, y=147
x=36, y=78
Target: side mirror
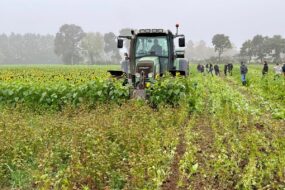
x=120, y=43
x=181, y=42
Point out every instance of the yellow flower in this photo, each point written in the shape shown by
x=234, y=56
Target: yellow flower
x=147, y=84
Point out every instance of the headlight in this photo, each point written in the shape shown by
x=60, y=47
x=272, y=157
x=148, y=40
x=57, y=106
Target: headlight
x=150, y=75
x=138, y=75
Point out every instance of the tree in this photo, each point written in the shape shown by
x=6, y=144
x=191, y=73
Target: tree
x=275, y=46
x=93, y=43
x=259, y=47
x=27, y=49
x=111, y=47
x=67, y=43
x=247, y=50
x=221, y=43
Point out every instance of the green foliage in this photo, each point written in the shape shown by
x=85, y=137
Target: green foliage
x=268, y=91
x=245, y=147
x=233, y=140
x=169, y=90
x=57, y=88
x=62, y=94
x=96, y=149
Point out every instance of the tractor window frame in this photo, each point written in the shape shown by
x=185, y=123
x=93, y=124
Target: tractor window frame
x=165, y=48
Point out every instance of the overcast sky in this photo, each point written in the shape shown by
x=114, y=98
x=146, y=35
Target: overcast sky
x=199, y=19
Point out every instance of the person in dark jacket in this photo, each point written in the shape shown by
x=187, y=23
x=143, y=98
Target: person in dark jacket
x=217, y=70
x=226, y=69
x=283, y=69
x=265, y=68
x=230, y=68
x=207, y=67
x=199, y=68
x=202, y=69
x=243, y=72
x=211, y=69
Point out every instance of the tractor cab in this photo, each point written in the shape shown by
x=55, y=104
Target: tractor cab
x=151, y=54
x=155, y=48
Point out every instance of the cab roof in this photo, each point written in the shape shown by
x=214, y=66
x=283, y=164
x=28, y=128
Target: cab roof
x=153, y=31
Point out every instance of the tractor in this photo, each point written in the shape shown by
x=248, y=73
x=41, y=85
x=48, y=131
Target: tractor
x=151, y=55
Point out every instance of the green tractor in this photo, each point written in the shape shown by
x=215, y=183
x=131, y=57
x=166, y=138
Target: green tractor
x=152, y=54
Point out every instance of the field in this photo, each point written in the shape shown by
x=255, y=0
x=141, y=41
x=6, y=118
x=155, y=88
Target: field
x=75, y=128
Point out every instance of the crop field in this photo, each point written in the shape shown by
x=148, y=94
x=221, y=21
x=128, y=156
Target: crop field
x=74, y=127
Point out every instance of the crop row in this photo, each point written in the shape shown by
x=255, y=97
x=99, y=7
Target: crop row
x=266, y=90
x=53, y=74
x=61, y=94
x=167, y=90
x=233, y=144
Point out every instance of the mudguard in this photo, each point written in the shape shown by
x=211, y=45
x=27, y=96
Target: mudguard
x=116, y=74
x=182, y=64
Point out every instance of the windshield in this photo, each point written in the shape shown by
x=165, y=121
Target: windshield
x=156, y=46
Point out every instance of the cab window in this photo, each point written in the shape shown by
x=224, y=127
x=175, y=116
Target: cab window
x=152, y=46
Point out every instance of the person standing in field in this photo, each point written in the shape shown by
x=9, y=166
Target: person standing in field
x=265, y=69
x=199, y=68
x=202, y=69
x=225, y=69
x=207, y=67
x=278, y=71
x=125, y=63
x=243, y=72
x=283, y=69
x=211, y=69
x=217, y=70
x=230, y=68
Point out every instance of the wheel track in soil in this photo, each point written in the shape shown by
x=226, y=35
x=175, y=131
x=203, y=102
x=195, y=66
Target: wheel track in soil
x=203, y=141
x=204, y=144
x=172, y=181
x=206, y=137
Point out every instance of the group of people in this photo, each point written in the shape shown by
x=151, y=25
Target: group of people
x=278, y=70
x=228, y=68
x=209, y=68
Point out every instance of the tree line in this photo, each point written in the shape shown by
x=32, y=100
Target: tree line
x=72, y=45
x=27, y=49
x=258, y=49
x=263, y=47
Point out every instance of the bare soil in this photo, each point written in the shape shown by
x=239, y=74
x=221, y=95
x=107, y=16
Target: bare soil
x=172, y=181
